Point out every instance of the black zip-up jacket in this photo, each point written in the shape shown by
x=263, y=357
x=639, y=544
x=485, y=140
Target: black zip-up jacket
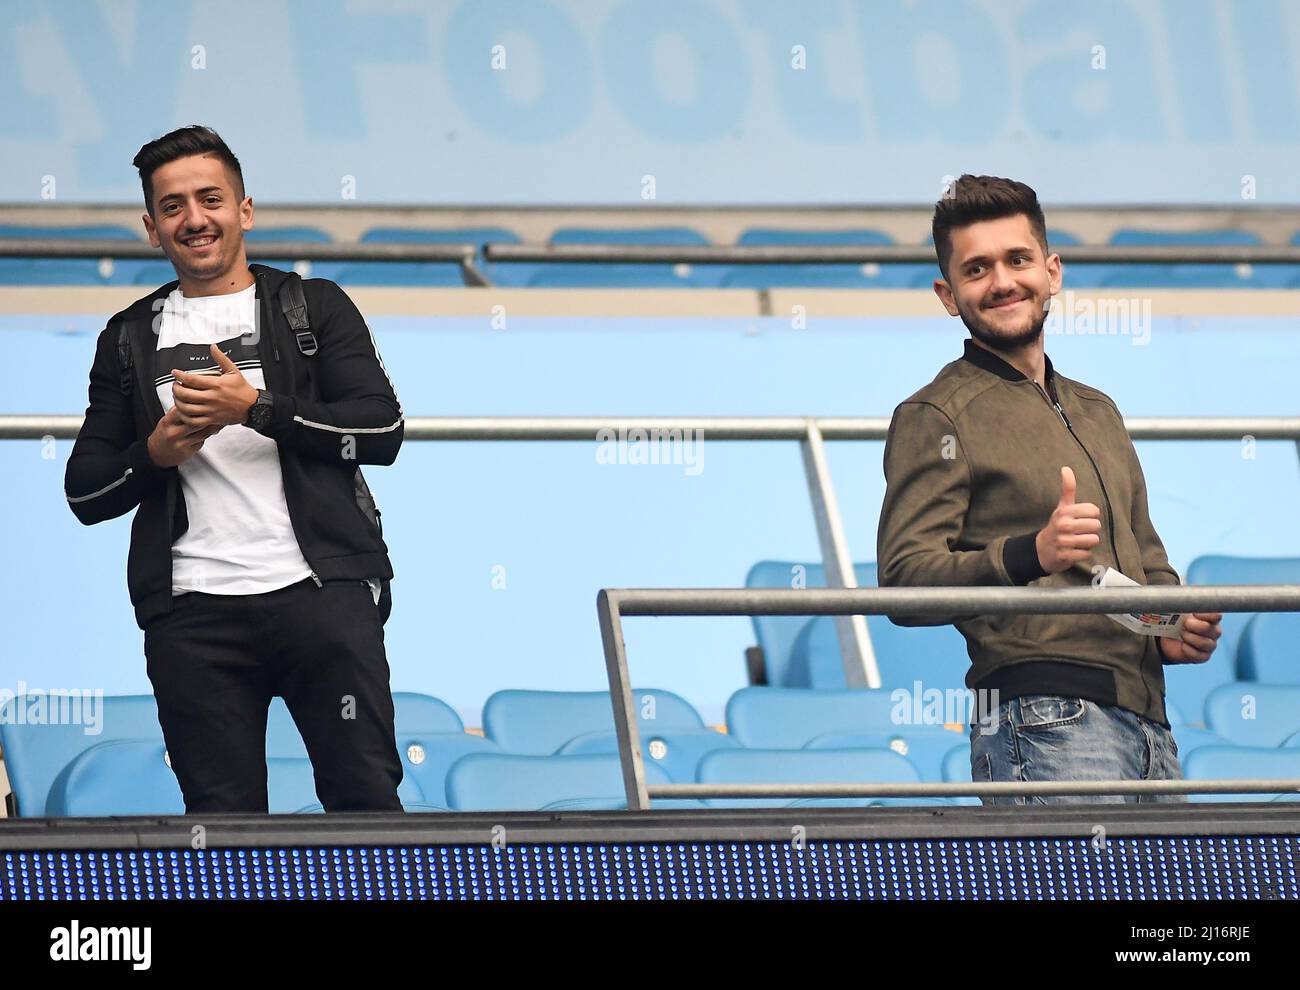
x=345, y=414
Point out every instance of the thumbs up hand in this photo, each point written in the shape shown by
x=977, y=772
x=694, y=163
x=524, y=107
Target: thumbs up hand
x=213, y=400
x=1071, y=533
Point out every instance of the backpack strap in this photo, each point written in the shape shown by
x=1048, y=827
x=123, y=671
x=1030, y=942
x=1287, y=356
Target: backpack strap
x=124, y=358
x=293, y=301
x=294, y=304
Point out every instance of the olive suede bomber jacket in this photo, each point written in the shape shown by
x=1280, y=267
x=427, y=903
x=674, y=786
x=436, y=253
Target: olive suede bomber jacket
x=973, y=472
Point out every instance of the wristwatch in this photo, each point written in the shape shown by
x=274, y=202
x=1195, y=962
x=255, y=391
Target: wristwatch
x=259, y=413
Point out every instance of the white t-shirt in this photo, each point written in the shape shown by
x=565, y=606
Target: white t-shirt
x=240, y=540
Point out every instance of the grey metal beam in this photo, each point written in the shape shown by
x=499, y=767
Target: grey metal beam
x=950, y=601
x=856, y=652
x=960, y=601
x=36, y=426
x=854, y=254
x=620, y=693
x=987, y=789
x=305, y=250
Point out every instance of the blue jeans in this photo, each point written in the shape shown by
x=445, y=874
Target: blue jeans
x=1045, y=737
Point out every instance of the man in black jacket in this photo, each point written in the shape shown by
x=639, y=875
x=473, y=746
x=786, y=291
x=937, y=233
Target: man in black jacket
x=253, y=570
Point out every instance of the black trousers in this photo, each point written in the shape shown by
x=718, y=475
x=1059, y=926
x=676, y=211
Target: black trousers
x=216, y=661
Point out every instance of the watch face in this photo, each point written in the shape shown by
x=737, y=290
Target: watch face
x=259, y=417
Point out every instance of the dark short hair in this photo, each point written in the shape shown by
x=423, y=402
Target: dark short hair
x=974, y=198
x=182, y=143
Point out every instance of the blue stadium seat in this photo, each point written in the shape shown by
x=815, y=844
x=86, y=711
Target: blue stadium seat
x=1185, y=276
x=424, y=274
x=803, y=652
x=427, y=756
x=290, y=784
x=1248, y=713
x=538, y=723
x=933, y=656
x=430, y=738
x=594, y=275
x=415, y=712
x=871, y=275
x=1242, y=763
x=131, y=777
x=925, y=747
x=412, y=807
x=1269, y=648
x=791, y=718
x=833, y=766
x=308, y=235
x=283, y=740
x=587, y=275
x=65, y=271
x=776, y=634
x=292, y=232
x=1174, y=714
x=440, y=235
x=153, y=273
x=1188, y=739
x=619, y=804
x=82, y=232
x=1188, y=684
x=672, y=236
x=588, y=804
x=500, y=782
x=1282, y=276
x=416, y=273
x=1057, y=238
x=957, y=770
x=677, y=753
x=119, y=777
x=291, y=787
x=36, y=754
x=1078, y=275
x=779, y=236
x=39, y=757
x=956, y=764
x=841, y=276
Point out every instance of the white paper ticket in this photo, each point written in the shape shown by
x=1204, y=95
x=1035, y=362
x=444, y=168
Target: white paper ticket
x=1145, y=623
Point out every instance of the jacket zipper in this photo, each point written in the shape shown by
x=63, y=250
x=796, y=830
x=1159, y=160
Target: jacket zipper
x=1105, y=497
x=1110, y=515
x=268, y=317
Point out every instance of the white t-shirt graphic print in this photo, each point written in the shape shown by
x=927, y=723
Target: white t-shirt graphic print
x=240, y=540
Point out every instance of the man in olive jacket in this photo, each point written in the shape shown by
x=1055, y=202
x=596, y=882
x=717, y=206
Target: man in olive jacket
x=1004, y=472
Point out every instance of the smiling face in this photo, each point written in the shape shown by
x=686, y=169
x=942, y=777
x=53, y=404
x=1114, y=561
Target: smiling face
x=999, y=282
x=199, y=222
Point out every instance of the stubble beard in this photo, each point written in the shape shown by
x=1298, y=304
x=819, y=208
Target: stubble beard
x=998, y=340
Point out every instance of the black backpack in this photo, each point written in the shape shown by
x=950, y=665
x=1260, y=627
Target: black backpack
x=293, y=303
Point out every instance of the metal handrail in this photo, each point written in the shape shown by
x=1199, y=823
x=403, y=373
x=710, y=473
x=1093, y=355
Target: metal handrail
x=306, y=250
x=860, y=668
x=728, y=254
x=859, y=254
x=697, y=254
x=612, y=605
x=462, y=255
x=39, y=426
